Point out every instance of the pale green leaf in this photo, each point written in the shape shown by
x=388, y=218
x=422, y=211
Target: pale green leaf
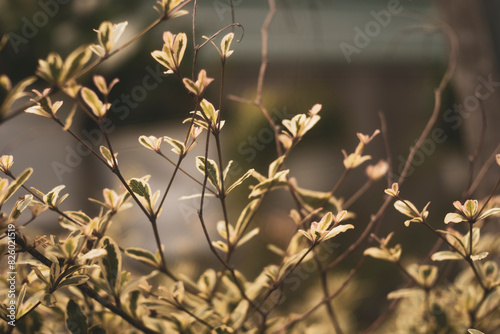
x=93, y=254
x=490, y=212
x=177, y=146
x=407, y=208
x=478, y=257
x=142, y=255
x=116, y=33
x=179, y=47
x=191, y=86
x=278, y=181
x=22, y=294
x=220, y=245
x=455, y=239
x=48, y=300
x=106, y=153
x=151, y=142
x=239, y=181
x=29, y=303
x=79, y=216
x=178, y=291
x=52, y=196
x=312, y=200
x=55, y=271
x=74, y=63
x=275, y=165
x=50, y=69
x=37, y=110
x=93, y=101
x=141, y=188
x=20, y=206
x=406, y=293
x=209, y=111
x=238, y=315
x=446, y=255
x=245, y=217
x=291, y=262
x=100, y=83
x=13, y=93
x=111, y=264
x=471, y=207
x=73, y=280
x=226, y=44
x=40, y=275
x=212, y=171
x=337, y=230
x=248, y=236
x=474, y=331
x=227, y=169
x=165, y=59
x=378, y=253
x=454, y=218
x=69, y=247
x=69, y=119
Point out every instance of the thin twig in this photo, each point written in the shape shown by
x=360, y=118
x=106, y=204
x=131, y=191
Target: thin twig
x=324, y=300
x=387, y=146
x=482, y=136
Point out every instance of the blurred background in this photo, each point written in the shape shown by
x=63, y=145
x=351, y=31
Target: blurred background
x=356, y=58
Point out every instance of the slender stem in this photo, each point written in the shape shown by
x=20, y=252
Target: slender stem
x=482, y=172
x=326, y=292
x=184, y=171
x=324, y=300
x=482, y=136
x=357, y=194
x=83, y=142
x=362, y=237
x=387, y=146
x=471, y=228
x=265, y=46
x=278, y=283
x=222, y=195
x=207, y=236
x=492, y=193
x=195, y=47
x=172, y=177
x=453, y=40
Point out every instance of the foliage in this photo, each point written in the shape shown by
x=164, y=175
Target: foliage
x=79, y=282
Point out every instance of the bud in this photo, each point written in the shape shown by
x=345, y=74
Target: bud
x=376, y=172
x=6, y=162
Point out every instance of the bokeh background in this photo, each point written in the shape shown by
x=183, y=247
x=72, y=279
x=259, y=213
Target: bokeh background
x=317, y=54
